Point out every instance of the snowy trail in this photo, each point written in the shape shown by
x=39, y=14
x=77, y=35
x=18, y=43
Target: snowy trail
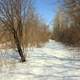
x=54, y=61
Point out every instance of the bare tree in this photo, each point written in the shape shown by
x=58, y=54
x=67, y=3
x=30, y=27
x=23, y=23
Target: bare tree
x=68, y=22
x=72, y=8
x=12, y=13
x=34, y=29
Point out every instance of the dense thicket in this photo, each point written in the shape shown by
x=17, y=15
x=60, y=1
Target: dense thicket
x=67, y=23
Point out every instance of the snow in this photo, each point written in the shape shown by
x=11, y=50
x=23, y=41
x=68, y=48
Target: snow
x=53, y=61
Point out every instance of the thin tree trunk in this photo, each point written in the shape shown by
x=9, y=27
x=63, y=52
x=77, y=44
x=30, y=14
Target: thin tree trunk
x=19, y=47
x=21, y=53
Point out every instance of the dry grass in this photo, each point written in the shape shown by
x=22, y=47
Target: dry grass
x=36, y=35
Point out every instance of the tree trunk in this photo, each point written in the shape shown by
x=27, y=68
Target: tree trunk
x=18, y=44
x=21, y=53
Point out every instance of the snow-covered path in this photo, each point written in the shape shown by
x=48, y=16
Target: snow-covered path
x=54, y=61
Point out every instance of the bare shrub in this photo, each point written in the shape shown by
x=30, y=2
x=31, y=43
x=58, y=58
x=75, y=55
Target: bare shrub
x=35, y=31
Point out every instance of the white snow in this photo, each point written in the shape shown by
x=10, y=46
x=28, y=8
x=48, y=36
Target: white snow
x=53, y=61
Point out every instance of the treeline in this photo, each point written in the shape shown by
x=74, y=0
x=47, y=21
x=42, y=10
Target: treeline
x=35, y=32
x=67, y=23
x=20, y=26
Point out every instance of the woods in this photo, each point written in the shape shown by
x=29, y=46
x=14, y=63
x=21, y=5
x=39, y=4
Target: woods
x=67, y=23
x=39, y=39
x=20, y=25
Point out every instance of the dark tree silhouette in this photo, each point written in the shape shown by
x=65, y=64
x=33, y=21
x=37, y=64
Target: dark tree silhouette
x=12, y=13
